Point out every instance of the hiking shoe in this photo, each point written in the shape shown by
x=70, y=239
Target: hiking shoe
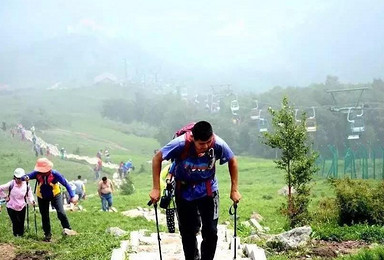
x=47, y=238
x=69, y=232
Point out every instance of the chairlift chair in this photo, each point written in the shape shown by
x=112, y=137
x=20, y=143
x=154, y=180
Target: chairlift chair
x=353, y=137
x=357, y=122
x=262, y=123
x=235, y=107
x=310, y=125
x=255, y=111
x=311, y=122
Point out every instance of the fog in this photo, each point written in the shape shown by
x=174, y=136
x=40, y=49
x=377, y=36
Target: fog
x=251, y=45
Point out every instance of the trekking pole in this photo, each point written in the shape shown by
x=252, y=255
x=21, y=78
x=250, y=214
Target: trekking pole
x=234, y=213
x=34, y=209
x=34, y=213
x=157, y=226
x=25, y=198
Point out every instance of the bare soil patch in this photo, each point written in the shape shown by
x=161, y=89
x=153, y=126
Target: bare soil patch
x=37, y=255
x=7, y=252
x=331, y=249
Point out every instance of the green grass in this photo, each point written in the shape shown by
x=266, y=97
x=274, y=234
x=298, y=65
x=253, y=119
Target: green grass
x=259, y=182
x=80, y=126
x=258, y=179
x=367, y=254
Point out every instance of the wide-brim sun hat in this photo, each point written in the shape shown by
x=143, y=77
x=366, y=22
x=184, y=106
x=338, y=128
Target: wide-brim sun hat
x=43, y=165
x=19, y=172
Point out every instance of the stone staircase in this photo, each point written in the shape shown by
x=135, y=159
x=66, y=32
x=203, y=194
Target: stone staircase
x=146, y=247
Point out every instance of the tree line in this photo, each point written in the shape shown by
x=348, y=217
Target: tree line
x=168, y=112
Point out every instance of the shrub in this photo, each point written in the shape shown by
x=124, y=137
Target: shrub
x=327, y=211
x=359, y=202
x=127, y=188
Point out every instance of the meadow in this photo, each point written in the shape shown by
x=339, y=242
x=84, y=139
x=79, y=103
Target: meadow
x=80, y=129
x=259, y=183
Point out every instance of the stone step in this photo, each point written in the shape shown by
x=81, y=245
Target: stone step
x=146, y=247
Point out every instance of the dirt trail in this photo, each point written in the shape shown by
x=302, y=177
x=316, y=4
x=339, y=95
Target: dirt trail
x=54, y=150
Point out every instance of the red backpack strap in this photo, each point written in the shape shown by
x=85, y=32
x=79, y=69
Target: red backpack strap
x=208, y=186
x=187, y=145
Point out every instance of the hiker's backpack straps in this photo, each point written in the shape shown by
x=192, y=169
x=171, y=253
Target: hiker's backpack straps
x=187, y=132
x=188, y=141
x=187, y=145
x=210, y=154
x=11, y=187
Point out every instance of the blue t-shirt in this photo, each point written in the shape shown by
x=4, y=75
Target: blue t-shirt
x=195, y=170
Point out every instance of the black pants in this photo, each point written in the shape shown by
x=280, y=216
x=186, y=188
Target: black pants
x=57, y=203
x=189, y=221
x=17, y=218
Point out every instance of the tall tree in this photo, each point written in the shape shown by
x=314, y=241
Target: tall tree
x=297, y=160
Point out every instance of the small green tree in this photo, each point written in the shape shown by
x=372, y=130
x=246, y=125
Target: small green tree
x=127, y=187
x=297, y=160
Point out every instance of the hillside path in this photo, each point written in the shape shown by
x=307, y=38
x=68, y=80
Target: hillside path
x=142, y=246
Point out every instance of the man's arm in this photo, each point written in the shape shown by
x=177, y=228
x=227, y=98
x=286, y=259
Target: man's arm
x=234, y=173
x=156, y=168
x=29, y=176
x=112, y=187
x=60, y=178
x=99, y=188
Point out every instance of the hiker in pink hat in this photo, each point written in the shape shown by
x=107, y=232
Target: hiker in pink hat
x=48, y=191
x=18, y=195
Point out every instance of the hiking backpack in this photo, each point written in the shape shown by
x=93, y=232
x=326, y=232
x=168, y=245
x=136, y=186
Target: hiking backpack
x=187, y=130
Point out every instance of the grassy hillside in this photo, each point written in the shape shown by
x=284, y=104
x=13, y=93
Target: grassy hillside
x=71, y=119
x=259, y=182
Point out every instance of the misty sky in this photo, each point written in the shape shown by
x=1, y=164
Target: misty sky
x=263, y=43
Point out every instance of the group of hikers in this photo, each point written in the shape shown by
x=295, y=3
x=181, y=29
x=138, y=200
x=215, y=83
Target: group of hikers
x=191, y=175
x=48, y=193
x=125, y=168
x=18, y=193
x=38, y=148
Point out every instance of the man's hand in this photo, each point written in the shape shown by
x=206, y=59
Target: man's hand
x=154, y=195
x=34, y=203
x=235, y=196
x=26, y=178
x=73, y=200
